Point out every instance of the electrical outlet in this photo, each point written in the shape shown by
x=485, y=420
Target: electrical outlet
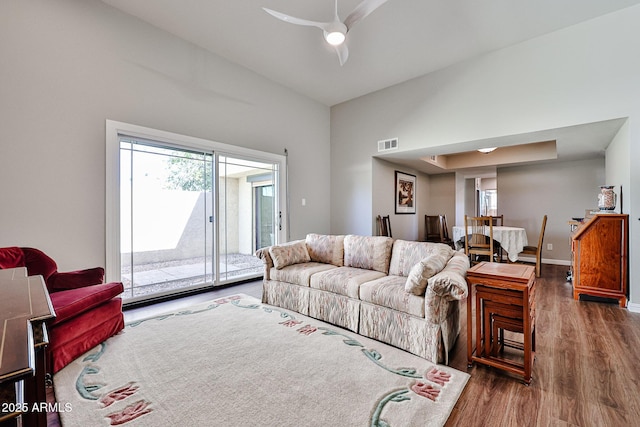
x=549, y=246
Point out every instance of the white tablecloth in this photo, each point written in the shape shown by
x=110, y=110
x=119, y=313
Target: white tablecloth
x=512, y=239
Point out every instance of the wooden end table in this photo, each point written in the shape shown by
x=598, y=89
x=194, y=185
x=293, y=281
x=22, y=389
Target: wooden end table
x=504, y=299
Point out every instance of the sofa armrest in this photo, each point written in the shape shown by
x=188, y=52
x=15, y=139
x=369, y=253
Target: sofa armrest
x=75, y=279
x=263, y=254
x=451, y=282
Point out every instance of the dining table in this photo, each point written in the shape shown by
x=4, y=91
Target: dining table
x=511, y=239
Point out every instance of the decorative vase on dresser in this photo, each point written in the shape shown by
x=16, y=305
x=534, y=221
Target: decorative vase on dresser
x=600, y=249
x=606, y=198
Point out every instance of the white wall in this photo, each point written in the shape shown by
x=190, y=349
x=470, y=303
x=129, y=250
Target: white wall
x=561, y=191
x=442, y=198
x=618, y=167
x=586, y=73
x=68, y=65
x=403, y=226
x=622, y=172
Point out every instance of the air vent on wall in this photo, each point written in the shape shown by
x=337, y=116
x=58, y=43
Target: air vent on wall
x=388, y=144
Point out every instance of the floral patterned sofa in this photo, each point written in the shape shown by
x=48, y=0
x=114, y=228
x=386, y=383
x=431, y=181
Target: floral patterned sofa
x=403, y=293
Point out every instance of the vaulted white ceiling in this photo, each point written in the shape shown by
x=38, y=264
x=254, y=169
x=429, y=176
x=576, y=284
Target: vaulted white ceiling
x=400, y=40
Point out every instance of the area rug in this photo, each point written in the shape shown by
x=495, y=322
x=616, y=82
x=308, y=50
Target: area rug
x=237, y=362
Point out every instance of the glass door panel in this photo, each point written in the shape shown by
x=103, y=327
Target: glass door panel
x=264, y=207
x=247, y=215
x=166, y=232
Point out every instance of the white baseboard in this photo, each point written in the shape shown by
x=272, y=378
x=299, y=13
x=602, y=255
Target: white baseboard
x=633, y=307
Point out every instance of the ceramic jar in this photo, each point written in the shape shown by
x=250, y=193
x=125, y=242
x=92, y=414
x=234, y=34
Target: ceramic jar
x=606, y=198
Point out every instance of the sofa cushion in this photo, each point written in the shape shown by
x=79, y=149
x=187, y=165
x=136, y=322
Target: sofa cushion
x=70, y=303
x=289, y=254
x=368, y=252
x=344, y=280
x=326, y=248
x=406, y=254
x=299, y=274
x=416, y=282
x=388, y=291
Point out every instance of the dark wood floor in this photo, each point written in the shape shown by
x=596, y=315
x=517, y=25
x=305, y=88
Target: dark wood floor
x=586, y=371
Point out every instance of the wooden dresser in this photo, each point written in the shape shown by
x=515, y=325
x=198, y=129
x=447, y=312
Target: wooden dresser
x=600, y=249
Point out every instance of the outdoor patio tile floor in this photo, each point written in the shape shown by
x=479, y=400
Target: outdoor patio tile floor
x=163, y=277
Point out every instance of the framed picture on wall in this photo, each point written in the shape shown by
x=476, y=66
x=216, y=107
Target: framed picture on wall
x=405, y=190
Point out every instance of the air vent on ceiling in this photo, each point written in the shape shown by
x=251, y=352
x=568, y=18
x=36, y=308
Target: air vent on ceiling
x=388, y=144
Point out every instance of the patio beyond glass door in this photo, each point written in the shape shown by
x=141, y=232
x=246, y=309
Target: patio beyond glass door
x=191, y=219
x=264, y=203
x=247, y=212
x=166, y=207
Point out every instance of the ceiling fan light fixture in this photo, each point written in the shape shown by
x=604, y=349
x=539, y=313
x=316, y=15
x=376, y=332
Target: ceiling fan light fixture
x=486, y=150
x=334, y=38
x=335, y=32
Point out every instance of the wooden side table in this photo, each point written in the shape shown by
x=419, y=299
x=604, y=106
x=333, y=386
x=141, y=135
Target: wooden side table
x=504, y=299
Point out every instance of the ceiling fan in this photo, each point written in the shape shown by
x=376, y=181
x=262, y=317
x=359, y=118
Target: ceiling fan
x=335, y=32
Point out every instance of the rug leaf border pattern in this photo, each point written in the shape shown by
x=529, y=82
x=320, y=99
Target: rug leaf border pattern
x=427, y=385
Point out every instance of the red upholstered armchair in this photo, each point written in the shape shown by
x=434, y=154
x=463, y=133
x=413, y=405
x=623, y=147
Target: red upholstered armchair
x=88, y=311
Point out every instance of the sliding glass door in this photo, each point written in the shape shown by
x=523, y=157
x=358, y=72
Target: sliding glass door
x=246, y=214
x=165, y=209
x=183, y=217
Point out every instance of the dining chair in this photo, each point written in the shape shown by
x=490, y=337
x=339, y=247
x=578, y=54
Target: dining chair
x=384, y=226
x=436, y=229
x=498, y=220
x=433, y=228
x=445, y=232
x=537, y=250
x=479, y=244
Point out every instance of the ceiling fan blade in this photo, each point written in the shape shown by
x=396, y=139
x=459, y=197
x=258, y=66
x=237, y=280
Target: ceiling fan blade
x=343, y=53
x=361, y=11
x=297, y=21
